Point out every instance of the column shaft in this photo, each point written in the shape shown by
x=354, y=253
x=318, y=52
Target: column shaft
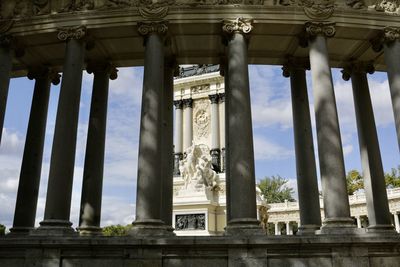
x=188, y=125
x=307, y=183
x=215, y=145
x=29, y=180
x=277, y=232
x=5, y=72
x=374, y=180
x=167, y=160
x=396, y=221
x=225, y=154
x=336, y=202
x=358, y=219
x=178, y=135
x=242, y=188
x=59, y=191
x=92, y=184
x=222, y=129
x=392, y=55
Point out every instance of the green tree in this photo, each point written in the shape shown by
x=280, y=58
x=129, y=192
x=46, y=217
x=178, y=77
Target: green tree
x=275, y=189
x=392, y=178
x=354, y=181
x=116, y=230
x=2, y=229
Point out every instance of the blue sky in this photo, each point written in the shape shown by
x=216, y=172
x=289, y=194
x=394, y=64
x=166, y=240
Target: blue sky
x=272, y=123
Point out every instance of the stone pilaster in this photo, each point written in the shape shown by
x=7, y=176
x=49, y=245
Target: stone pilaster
x=374, y=179
x=241, y=197
x=5, y=73
x=149, y=182
x=307, y=182
x=59, y=192
x=215, y=145
x=188, y=124
x=29, y=180
x=333, y=176
x=92, y=184
x=178, y=155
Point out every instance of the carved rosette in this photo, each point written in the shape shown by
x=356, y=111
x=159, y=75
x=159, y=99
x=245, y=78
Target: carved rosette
x=68, y=33
x=357, y=67
x=326, y=29
x=238, y=25
x=156, y=27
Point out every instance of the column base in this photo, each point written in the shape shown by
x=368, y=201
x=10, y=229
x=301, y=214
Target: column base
x=244, y=227
x=381, y=229
x=54, y=228
x=90, y=231
x=308, y=229
x=340, y=226
x=21, y=230
x=148, y=228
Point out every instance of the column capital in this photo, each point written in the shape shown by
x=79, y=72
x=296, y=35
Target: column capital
x=221, y=97
x=357, y=67
x=314, y=28
x=75, y=32
x=106, y=67
x=187, y=103
x=387, y=36
x=294, y=64
x=9, y=42
x=178, y=104
x=44, y=72
x=238, y=25
x=152, y=27
x=214, y=98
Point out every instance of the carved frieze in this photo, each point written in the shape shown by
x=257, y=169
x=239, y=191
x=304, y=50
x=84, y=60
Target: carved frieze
x=202, y=118
x=318, y=9
x=190, y=222
x=387, y=6
x=200, y=88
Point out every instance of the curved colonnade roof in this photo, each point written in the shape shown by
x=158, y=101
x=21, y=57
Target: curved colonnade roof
x=195, y=34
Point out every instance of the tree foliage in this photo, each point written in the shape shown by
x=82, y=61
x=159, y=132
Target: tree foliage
x=354, y=181
x=392, y=178
x=275, y=189
x=2, y=229
x=116, y=230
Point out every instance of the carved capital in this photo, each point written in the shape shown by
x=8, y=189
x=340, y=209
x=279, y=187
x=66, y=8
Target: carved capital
x=146, y=28
x=314, y=28
x=68, y=33
x=102, y=67
x=238, y=25
x=221, y=97
x=214, y=98
x=294, y=64
x=178, y=104
x=357, y=67
x=391, y=34
x=40, y=72
x=188, y=103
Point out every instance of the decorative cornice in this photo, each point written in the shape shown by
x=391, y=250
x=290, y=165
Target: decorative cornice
x=44, y=72
x=238, y=25
x=178, y=104
x=187, y=103
x=68, y=33
x=314, y=28
x=214, y=98
x=105, y=67
x=157, y=27
x=357, y=67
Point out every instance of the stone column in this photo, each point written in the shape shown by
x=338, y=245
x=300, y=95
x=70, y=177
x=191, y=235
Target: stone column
x=374, y=178
x=336, y=202
x=167, y=143
x=29, y=180
x=396, y=221
x=277, y=230
x=59, y=191
x=239, y=143
x=178, y=136
x=92, y=184
x=5, y=73
x=215, y=147
x=307, y=182
x=392, y=54
x=358, y=219
x=288, y=228
x=149, y=182
x=188, y=125
x=222, y=130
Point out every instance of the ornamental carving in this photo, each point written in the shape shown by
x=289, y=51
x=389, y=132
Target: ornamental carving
x=146, y=28
x=318, y=9
x=200, y=88
x=391, y=34
x=238, y=25
x=326, y=29
x=387, y=6
x=202, y=118
x=357, y=67
x=76, y=33
x=190, y=222
x=78, y=5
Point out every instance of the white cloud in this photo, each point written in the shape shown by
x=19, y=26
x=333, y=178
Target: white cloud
x=267, y=150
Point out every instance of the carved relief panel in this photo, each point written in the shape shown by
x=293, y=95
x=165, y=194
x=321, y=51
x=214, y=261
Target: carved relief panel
x=201, y=121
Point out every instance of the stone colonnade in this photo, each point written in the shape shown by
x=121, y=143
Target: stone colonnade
x=154, y=187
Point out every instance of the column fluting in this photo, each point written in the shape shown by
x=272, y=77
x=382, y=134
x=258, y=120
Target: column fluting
x=307, y=182
x=373, y=174
x=92, y=184
x=178, y=155
x=29, y=179
x=59, y=191
x=239, y=140
x=330, y=151
x=149, y=182
x=215, y=150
